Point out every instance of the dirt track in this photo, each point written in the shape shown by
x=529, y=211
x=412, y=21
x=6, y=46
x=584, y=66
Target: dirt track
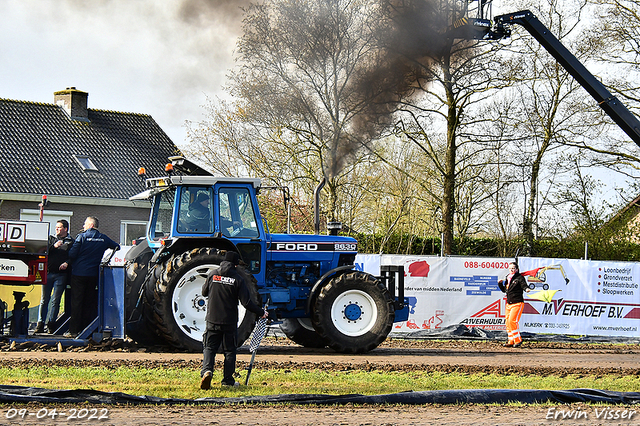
x=393, y=355
x=542, y=358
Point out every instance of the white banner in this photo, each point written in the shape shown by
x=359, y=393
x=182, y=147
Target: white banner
x=368, y=263
x=582, y=297
x=13, y=268
x=567, y=296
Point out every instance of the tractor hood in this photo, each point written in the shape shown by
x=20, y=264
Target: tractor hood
x=284, y=243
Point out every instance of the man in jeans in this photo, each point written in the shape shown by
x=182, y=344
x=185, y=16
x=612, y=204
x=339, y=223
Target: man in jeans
x=224, y=287
x=56, y=277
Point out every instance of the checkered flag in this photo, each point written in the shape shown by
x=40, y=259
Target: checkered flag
x=258, y=334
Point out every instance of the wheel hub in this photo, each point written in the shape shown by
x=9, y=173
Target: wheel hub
x=189, y=307
x=352, y=312
x=199, y=303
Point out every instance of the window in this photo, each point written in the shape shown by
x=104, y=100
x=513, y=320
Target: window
x=162, y=213
x=131, y=231
x=86, y=163
x=195, y=215
x=237, y=218
x=51, y=216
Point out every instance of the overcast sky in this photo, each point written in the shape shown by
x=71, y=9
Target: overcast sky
x=161, y=58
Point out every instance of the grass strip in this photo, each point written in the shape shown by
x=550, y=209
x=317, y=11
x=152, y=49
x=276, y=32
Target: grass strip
x=184, y=383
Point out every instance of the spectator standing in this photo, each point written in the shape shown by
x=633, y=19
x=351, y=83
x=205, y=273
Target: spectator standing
x=85, y=256
x=57, y=277
x=224, y=287
x=514, y=285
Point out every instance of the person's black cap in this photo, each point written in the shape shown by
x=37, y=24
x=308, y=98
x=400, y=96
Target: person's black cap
x=232, y=257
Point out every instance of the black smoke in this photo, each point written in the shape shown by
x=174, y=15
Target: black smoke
x=203, y=11
x=412, y=38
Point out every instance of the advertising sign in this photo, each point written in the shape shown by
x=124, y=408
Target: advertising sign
x=24, y=237
x=566, y=296
x=582, y=297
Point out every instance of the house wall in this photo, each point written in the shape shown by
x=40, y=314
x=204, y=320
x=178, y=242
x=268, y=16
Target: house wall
x=110, y=218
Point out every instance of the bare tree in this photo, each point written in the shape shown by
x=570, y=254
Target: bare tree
x=315, y=83
x=557, y=119
x=301, y=70
x=441, y=114
x=400, y=206
x=501, y=217
x=616, y=40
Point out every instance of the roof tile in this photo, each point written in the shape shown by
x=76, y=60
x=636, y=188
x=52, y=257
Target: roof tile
x=38, y=142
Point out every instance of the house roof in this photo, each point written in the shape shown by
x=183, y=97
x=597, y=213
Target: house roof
x=41, y=149
x=623, y=214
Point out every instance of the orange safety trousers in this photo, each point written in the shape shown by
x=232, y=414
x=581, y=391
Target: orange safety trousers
x=512, y=318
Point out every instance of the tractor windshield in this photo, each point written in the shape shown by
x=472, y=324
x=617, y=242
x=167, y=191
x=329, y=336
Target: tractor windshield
x=195, y=215
x=160, y=224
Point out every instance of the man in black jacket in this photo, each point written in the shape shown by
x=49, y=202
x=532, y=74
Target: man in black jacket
x=56, y=277
x=224, y=287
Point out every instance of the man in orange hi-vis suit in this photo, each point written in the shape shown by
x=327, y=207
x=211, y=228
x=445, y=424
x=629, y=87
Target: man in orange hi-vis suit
x=514, y=284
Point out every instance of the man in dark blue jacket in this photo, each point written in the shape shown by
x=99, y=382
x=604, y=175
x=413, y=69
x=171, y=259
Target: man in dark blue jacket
x=224, y=287
x=85, y=256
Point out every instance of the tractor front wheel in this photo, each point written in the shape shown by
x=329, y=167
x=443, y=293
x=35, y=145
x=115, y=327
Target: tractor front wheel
x=353, y=312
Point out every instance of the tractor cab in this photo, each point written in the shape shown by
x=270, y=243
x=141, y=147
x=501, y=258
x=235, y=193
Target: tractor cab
x=199, y=206
x=195, y=207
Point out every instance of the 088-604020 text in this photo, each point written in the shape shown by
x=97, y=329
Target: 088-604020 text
x=486, y=265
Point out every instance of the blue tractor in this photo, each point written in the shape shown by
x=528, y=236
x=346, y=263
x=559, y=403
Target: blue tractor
x=308, y=281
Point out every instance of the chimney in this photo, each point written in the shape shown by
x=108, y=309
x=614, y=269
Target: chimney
x=74, y=102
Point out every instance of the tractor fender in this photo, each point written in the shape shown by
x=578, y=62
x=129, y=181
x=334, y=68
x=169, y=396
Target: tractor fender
x=137, y=250
x=182, y=244
x=322, y=280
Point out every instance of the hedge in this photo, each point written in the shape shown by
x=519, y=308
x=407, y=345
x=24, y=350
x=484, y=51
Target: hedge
x=569, y=248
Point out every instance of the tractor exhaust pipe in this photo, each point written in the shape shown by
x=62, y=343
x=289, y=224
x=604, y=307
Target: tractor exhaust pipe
x=316, y=205
x=334, y=227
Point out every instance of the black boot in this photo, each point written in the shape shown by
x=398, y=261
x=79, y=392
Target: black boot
x=51, y=327
x=39, y=327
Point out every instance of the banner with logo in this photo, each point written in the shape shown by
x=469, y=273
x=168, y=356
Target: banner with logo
x=582, y=297
x=567, y=296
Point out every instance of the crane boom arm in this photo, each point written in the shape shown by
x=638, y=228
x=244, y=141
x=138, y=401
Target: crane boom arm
x=624, y=118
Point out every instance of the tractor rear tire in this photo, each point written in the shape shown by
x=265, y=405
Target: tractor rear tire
x=137, y=312
x=301, y=331
x=353, y=312
x=178, y=305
